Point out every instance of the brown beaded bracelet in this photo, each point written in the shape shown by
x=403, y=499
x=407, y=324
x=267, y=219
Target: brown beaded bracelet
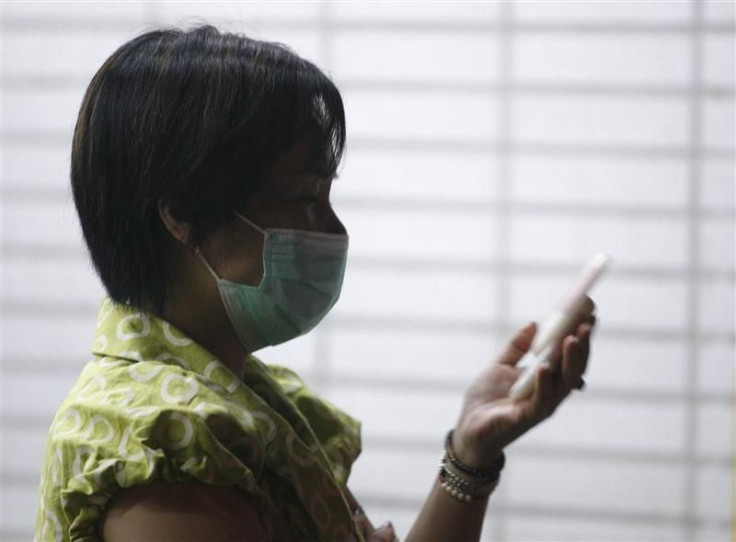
x=491, y=472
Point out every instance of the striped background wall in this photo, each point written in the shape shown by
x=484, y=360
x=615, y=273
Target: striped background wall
x=493, y=147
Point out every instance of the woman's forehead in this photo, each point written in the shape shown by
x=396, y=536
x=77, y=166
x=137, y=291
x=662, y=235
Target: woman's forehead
x=302, y=163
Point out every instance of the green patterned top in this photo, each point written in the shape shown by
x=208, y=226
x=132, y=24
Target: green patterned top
x=153, y=405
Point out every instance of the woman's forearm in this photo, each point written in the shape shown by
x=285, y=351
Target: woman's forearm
x=444, y=518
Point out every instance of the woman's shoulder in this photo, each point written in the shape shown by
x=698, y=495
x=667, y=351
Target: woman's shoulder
x=118, y=430
x=152, y=408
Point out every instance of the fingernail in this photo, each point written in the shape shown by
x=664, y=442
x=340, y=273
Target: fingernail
x=387, y=524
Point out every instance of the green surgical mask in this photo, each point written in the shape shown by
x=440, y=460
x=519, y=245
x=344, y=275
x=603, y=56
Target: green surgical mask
x=302, y=277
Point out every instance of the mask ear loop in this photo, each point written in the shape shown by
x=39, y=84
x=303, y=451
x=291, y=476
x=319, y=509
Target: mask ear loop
x=241, y=217
x=198, y=253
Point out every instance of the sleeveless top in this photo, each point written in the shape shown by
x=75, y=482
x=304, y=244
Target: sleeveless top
x=154, y=405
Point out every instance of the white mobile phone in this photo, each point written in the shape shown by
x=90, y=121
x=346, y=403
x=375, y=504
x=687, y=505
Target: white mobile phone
x=554, y=327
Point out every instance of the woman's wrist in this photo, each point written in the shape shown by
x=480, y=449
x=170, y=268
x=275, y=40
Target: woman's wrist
x=471, y=454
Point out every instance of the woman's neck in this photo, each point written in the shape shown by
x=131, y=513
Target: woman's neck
x=209, y=327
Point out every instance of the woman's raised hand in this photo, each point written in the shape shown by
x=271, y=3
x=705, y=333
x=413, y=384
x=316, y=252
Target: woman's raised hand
x=490, y=419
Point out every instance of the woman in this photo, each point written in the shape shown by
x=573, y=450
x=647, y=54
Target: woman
x=201, y=171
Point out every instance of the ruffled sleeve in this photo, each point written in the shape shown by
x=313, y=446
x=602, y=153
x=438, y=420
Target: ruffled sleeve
x=337, y=432
x=107, y=437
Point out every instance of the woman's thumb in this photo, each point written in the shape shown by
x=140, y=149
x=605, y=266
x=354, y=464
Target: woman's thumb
x=519, y=344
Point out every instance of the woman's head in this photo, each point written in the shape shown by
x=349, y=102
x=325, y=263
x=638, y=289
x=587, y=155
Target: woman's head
x=195, y=121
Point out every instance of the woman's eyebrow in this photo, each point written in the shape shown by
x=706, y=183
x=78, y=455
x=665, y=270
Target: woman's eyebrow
x=309, y=175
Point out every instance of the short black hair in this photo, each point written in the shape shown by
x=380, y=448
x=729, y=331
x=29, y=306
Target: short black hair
x=194, y=119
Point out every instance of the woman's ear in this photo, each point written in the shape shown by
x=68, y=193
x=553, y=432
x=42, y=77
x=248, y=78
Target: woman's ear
x=181, y=231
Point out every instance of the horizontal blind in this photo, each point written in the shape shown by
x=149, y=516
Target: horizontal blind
x=492, y=148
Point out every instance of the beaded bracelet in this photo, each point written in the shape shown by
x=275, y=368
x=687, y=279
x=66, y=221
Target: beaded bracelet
x=457, y=485
x=463, y=490
x=491, y=472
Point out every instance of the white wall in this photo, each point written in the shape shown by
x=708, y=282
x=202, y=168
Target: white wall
x=493, y=147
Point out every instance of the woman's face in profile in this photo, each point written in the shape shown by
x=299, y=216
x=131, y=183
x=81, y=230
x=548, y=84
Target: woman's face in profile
x=293, y=196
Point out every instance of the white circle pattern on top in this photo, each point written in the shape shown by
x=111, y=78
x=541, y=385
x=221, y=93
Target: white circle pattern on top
x=215, y=365
x=172, y=338
x=145, y=371
x=72, y=413
x=183, y=397
x=145, y=323
x=96, y=420
x=119, y=396
x=100, y=343
x=95, y=384
x=168, y=428
x=304, y=461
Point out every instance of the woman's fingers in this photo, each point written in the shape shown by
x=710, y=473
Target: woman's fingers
x=522, y=340
x=584, y=334
x=588, y=308
x=570, y=366
x=547, y=395
x=564, y=373
x=385, y=533
x=573, y=363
